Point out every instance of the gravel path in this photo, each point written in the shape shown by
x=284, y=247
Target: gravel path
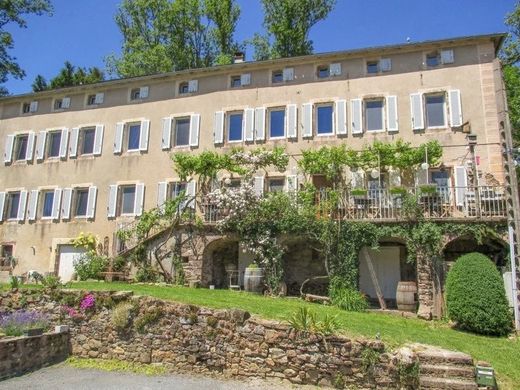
x=63, y=377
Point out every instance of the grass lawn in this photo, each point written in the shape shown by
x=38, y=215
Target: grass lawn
x=502, y=353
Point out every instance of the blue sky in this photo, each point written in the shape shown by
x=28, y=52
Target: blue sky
x=84, y=31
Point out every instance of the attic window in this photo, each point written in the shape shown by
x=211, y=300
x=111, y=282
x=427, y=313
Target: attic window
x=372, y=67
x=323, y=71
x=183, y=88
x=433, y=59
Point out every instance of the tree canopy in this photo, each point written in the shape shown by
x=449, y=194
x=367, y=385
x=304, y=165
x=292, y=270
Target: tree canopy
x=12, y=12
x=69, y=76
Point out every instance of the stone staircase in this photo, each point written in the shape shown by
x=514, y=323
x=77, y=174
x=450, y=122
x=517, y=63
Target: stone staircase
x=442, y=369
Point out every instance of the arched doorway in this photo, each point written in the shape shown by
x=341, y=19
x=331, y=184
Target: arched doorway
x=221, y=263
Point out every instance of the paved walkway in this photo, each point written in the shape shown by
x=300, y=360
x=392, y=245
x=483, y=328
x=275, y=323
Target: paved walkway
x=63, y=377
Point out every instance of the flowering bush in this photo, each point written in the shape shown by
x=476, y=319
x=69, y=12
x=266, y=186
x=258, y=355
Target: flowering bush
x=14, y=324
x=87, y=303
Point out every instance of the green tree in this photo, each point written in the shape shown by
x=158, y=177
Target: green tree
x=512, y=82
x=69, y=76
x=511, y=50
x=289, y=23
x=11, y=12
x=164, y=35
x=39, y=84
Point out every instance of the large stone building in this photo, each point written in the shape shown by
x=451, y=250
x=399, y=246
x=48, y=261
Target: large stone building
x=89, y=158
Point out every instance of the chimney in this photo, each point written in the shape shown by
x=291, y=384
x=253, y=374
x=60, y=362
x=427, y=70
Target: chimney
x=239, y=57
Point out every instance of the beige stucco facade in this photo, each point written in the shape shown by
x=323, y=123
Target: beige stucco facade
x=473, y=73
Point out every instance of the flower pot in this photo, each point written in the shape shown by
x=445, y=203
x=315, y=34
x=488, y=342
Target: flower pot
x=33, y=332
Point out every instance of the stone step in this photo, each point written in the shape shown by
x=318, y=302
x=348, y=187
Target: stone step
x=426, y=382
x=443, y=357
x=447, y=371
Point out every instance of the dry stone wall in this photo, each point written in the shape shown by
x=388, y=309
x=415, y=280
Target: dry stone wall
x=228, y=342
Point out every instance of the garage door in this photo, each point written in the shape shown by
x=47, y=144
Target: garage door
x=68, y=254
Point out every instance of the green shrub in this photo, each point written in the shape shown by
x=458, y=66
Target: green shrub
x=120, y=317
x=475, y=296
x=90, y=265
x=306, y=321
x=14, y=282
x=345, y=297
x=146, y=274
x=147, y=318
x=52, y=282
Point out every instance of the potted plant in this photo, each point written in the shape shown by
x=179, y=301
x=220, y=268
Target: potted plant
x=428, y=189
x=398, y=191
x=359, y=192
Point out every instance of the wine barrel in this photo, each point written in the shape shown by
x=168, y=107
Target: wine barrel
x=405, y=296
x=254, y=280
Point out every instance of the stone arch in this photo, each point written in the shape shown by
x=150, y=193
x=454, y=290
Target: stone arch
x=219, y=258
x=494, y=248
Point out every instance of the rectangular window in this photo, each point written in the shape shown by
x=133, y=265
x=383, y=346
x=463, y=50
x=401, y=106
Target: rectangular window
x=6, y=251
x=80, y=207
x=323, y=71
x=177, y=188
x=21, y=147
x=135, y=94
x=433, y=59
x=277, y=123
x=324, y=119
x=372, y=67
x=277, y=77
x=134, y=135
x=48, y=200
x=435, y=110
x=58, y=103
x=184, y=88
x=235, y=126
x=235, y=81
x=53, y=144
x=26, y=108
x=87, y=136
x=234, y=183
x=13, y=204
x=374, y=115
x=127, y=200
x=91, y=100
x=276, y=185
x=182, y=132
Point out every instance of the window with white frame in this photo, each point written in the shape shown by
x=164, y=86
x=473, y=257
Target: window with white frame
x=87, y=137
x=53, y=144
x=47, y=203
x=234, y=126
x=61, y=103
x=374, y=114
x=276, y=122
x=26, y=108
x=181, y=129
x=324, y=119
x=80, y=202
x=372, y=67
x=132, y=136
x=323, y=71
x=95, y=99
x=12, y=205
x=276, y=184
x=277, y=76
x=126, y=201
x=433, y=59
x=435, y=109
x=176, y=188
x=139, y=93
x=20, y=147
x=235, y=81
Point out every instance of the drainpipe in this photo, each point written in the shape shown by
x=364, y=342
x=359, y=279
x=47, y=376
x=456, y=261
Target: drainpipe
x=513, y=276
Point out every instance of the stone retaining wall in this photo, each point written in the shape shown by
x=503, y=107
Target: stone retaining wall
x=228, y=342
x=23, y=354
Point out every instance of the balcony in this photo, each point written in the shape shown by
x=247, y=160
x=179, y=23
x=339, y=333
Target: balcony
x=383, y=205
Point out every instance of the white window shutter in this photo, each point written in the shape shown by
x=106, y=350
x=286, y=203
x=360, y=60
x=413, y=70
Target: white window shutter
x=100, y=98
x=307, y=119
x=259, y=186
x=2, y=203
x=145, y=133
x=249, y=123
x=30, y=146
x=9, y=145
x=391, y=114
x=66, y=201
x=340, y=113
x=291, y=183
x=98, y=139
x=245, y=79
x=91, y=202
x=65, y=102
x=447, y=56
x=260, y=123
x=194, y=129
x=193, y=86
x=335, y=69
x=73, y=144
x=455, y=108
x=40, y=145
x=416, y=104
x=191, y=192
x=112, y=200
x=56, y=203
x=22, y=206
x=162, y=193
x=33, y=107
x=292, y=121
x=139, y=199
x=356, y=108
x=64, y=142
x=461, y=183
x=166, y=133
x=288, y=74
x=218, y=127
x=33, y=205
x=143, y=92
x=386, y=64
x=118, y=139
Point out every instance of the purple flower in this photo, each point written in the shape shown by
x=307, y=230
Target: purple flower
x=87, y=302
x=14, y=324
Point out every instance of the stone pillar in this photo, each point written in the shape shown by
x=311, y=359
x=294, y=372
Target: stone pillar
x=424, y=286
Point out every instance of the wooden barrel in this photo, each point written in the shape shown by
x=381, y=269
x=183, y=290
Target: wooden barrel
x=254, y=280
x=405, y=296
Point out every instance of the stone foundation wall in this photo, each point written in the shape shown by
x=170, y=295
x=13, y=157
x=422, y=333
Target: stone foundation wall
x=228, y=342
x=23, y=354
